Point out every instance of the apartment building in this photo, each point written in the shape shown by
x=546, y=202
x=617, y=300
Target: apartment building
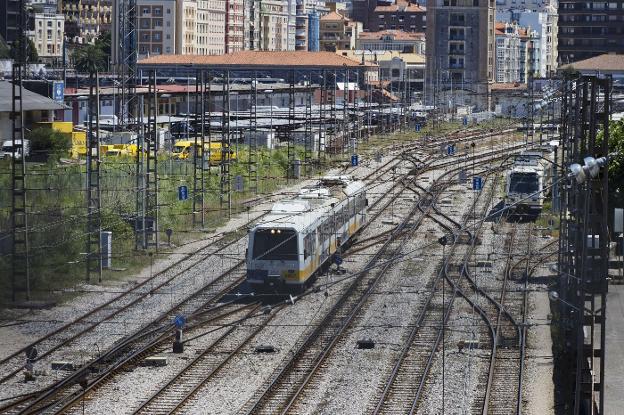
x=392, y=40
x=235, y=25
x=400, y=15
x=511, y=53
x=542, y=19
x=156, y=31
x=211, y=28
x=590, y=28
x=186, y=27
x=9, y=17
x=460, y=48
x=85, y=20
x=48, y=34
x=274, y=26
x=338, y=32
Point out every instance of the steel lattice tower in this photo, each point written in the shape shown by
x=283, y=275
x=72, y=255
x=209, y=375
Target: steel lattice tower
x=127, y=60
x=584, y=244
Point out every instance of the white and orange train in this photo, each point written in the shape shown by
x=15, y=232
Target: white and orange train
x=300, y=235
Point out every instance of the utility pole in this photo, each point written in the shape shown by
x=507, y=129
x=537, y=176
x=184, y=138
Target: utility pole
x=19, y=218
x=150, y=232
x=94, y=218
x=199, y=153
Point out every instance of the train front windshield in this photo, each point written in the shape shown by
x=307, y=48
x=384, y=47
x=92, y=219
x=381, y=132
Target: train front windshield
x=275, y=244
x=523, y=183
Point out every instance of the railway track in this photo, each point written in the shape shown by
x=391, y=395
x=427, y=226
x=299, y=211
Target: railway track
x=199, y=303
x=401, y=391
x=72, y=331
x=287, y=387
x=172, y=396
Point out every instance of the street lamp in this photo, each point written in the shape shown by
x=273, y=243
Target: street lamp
x=554, y=296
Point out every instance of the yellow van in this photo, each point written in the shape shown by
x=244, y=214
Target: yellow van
x=182, y=150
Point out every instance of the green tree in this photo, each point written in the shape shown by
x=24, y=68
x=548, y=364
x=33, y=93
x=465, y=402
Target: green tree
x=5, y=52
x=47, y=141
x=616, y=163
x=104, y=42
x=90, y=59
x=569, y=72
x=31, y=50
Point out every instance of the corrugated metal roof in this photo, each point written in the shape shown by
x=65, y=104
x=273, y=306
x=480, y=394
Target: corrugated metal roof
x=31, y=101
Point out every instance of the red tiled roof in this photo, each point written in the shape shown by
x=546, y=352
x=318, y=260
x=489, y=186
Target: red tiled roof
x=397, y=34
x=333, y=16
x=500, y=29
x=256, y=58
x=401, y=5
x=508, y=86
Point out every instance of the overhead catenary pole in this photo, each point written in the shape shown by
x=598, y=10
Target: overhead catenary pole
x=94, y=220
x=308, y=139
x=252, y=161
x=199, y=153
x=150, y=232
x=19, y=217
x=290, y=136
x=225, y=182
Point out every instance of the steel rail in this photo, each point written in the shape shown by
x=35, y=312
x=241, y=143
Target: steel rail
x=425, y=311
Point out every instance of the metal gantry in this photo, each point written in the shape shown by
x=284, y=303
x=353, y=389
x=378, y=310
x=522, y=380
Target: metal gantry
x=19, y=218
x=584, y=244
x=93, y=200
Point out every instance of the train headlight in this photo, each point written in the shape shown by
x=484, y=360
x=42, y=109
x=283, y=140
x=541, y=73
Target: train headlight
x=279, y=231
x=272, y=231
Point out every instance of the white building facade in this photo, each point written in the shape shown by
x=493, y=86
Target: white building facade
x=541, y=19
x=511, y=53
x=48, y=35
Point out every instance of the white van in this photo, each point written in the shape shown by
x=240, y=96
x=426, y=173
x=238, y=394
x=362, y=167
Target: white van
x=7, y=149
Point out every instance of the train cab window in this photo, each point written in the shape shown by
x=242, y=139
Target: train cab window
x=275, y=244
x=523, y=183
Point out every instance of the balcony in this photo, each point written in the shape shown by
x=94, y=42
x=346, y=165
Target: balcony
x=456, y=65
x=457, y=37
x=456, y=51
